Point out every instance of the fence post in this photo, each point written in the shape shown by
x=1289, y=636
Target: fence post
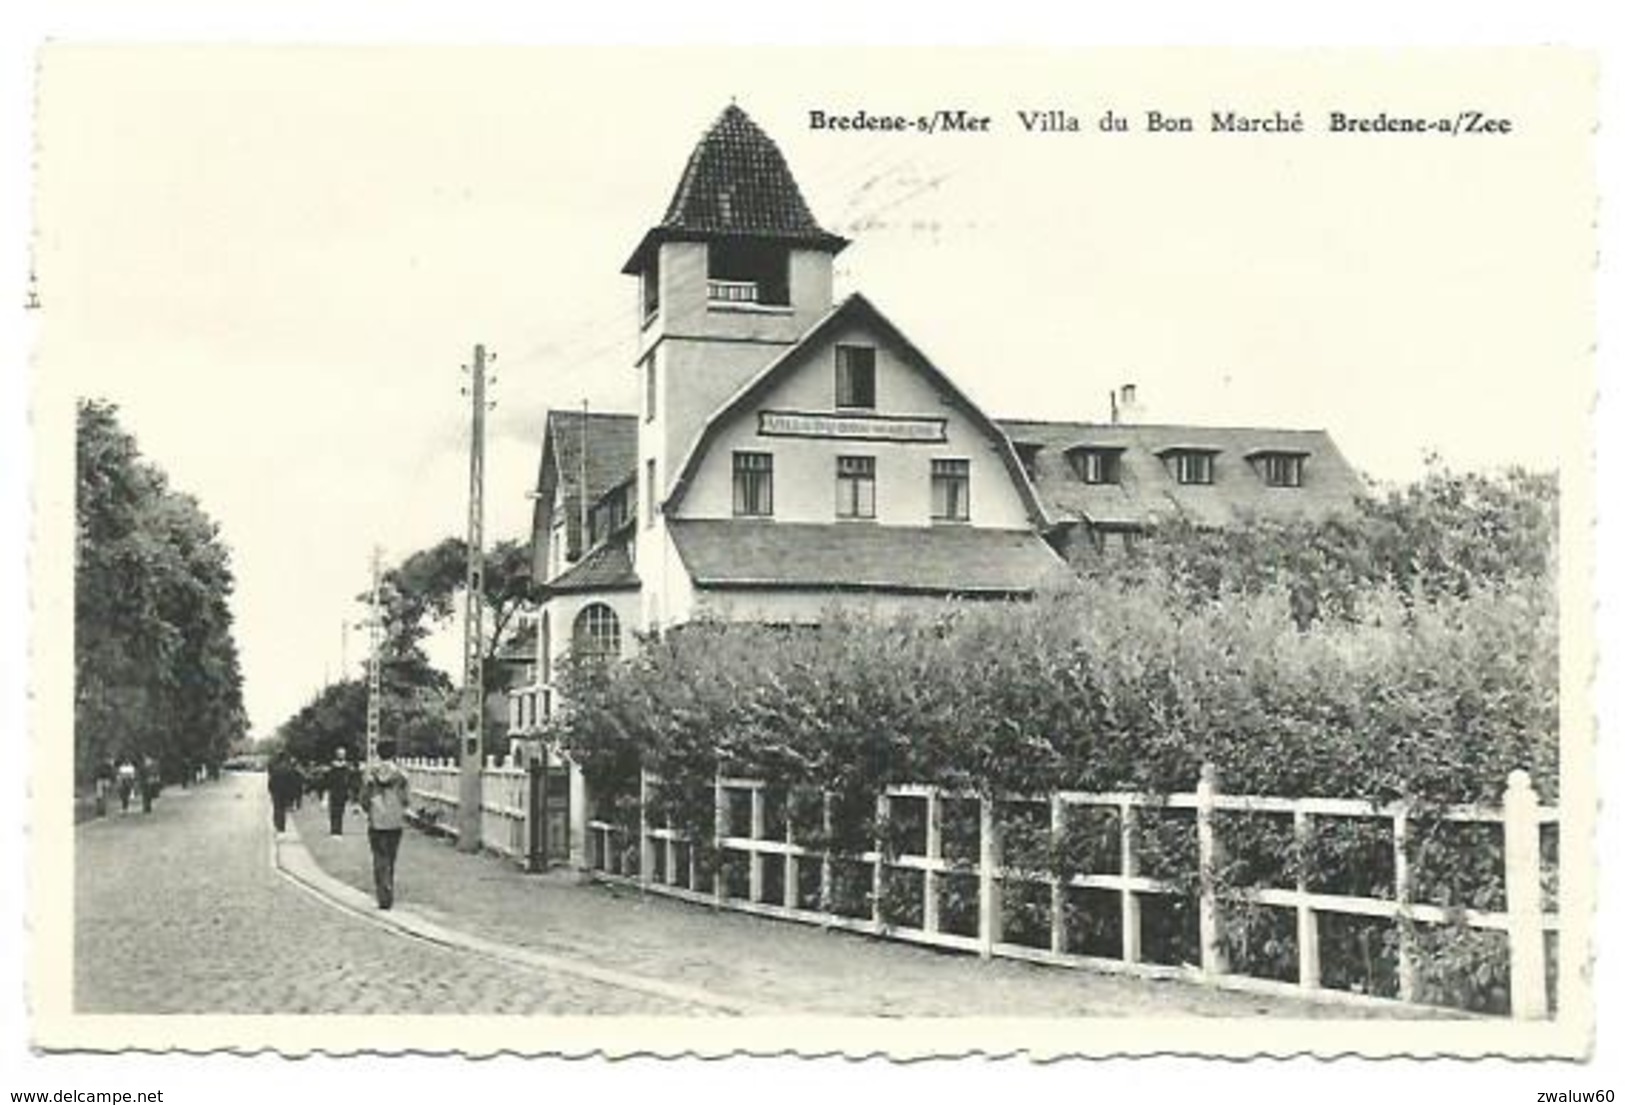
x=933, y=855
x=1128, y=867
x=581, y=811
x=1402, y=898
x=1526, y=933
x=792, y=862
x=758, y=829
x=826, y=870
x=877, y=885
x=719, y=883
x=1308, y=922
x=1057, y=887
x=1207, y=858
x=646, y=852
x=990, y=923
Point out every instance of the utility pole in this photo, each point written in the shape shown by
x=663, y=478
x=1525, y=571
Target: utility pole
x=469, y=781
x=375, y=663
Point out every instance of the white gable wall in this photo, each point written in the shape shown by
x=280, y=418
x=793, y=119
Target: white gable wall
x=804, y=468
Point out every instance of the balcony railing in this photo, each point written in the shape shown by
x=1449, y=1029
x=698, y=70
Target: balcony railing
x=732, y=291
x=528, y=707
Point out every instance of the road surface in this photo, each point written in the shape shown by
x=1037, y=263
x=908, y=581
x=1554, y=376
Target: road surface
x=181, y=911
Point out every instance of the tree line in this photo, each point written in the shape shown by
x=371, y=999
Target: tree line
x=156, y=671
x=421, y=703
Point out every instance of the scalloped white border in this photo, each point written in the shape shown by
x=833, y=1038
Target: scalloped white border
x=1390, y=22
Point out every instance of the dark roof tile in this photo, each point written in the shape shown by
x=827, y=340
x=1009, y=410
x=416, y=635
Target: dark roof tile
x=912, y=559
x=606, y=568
x=1147, y=492
x=736, y=182
x=611, y=444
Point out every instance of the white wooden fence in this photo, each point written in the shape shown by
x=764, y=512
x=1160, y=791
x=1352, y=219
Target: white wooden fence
x=660, y=860
x=504, y=801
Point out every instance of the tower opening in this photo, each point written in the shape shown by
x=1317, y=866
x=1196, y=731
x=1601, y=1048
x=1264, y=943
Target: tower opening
x=748, y=270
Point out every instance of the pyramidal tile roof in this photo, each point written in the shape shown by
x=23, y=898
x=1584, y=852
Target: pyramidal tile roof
x=736, y=183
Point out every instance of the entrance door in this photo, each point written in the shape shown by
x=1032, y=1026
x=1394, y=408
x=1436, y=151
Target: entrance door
x=556, y=822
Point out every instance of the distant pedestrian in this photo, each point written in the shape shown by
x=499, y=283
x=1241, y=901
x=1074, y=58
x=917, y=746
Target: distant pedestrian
x=385, y=793
x=106, y=775
x=340, y=783
x=126, y=784
x=284, y=784
x=150, y=782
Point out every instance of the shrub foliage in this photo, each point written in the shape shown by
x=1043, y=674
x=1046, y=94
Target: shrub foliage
x=1408, y=652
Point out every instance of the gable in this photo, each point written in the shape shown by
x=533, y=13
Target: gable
x=583, y=454
x=918, y=413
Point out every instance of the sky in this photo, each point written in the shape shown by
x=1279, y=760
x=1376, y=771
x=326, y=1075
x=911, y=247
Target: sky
x=275, y=261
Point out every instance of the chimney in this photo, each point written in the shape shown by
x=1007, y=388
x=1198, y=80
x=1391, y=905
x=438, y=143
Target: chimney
x=1126, y=404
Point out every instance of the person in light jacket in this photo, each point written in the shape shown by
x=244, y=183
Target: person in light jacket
x=385, y=793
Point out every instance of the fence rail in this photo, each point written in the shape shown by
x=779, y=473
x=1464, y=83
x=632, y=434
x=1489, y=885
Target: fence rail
x=787, y=879
x=504, y=802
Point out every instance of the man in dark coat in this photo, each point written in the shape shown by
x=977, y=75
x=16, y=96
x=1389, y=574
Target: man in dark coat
x=284, y=784
x=150, y=781
x=340, y=784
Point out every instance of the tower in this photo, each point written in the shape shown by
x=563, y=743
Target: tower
x=730, y=277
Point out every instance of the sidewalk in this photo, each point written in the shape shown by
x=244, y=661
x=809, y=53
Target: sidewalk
x=754, y=964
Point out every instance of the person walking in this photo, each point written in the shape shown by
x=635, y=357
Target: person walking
x=106, y=773
x=284, y=784
x=385, y=793
x=340, y=785
x=126, y=784
x=150, y=782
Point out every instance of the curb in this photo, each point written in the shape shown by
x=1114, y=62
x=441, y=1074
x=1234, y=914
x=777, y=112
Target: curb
x=292, y=860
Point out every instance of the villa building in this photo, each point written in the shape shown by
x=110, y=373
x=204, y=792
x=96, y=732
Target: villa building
x=794, y=452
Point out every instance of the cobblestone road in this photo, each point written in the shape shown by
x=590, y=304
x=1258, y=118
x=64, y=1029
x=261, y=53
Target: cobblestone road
x=180, y=911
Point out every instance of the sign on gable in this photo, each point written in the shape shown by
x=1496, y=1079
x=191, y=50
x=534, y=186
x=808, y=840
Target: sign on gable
x=853, y=427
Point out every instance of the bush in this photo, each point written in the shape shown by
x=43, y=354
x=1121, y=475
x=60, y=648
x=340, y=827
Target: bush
x=1411, y=655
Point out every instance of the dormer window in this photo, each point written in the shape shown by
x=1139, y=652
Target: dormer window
x=747, y=271
x=1190, y=466
x=1278, y=468
x=1097, y=464
x=855, y=377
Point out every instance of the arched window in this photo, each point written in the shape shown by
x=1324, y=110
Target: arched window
x=597, y=633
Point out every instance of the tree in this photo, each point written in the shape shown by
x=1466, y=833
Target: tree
x=155, y=662
x=420, y=595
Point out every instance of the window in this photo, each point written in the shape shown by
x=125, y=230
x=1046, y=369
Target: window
x=742, y=270
x=854, y=487
x=597, y=635
x=1191, y=466
x=1106, y=540
x=1281, y=469
x=950, y=490
x=650, y=495
x=855, y=376
x=608, y=514
x=555, y=549
x=1103, y=466
x=753, y=485
x=649, y=388
x=651, y=288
